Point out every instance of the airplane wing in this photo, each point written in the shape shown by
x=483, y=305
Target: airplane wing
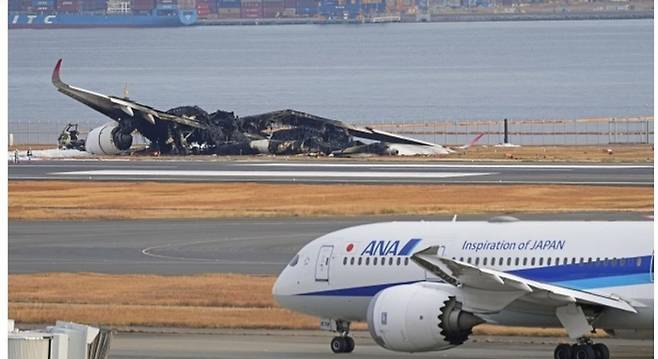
x=295, y=118
x=492, y=282
x=116, y=107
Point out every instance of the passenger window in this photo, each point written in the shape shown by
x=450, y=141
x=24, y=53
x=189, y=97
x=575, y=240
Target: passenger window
x=374, y=261
x=548, y=261
x=344, y=260
x=399, y=260
x=582, y=260
x=461, y=259
x=352, y=261
x=541, y=261
x=573, y=260
x=500, y=261
x=605, y=261
x=566, y=260
x=367, y=260
x=557, y=261
x=468, y=260
x=509, y=261
x=516, y=261
x=525, y=261
x=477, y=260
x=493, y=261
x=484, y=261
x=383, y=261
x=390, y=261
x=406, y=261
x=360, y=260
x=589, y=260
x=532, y=261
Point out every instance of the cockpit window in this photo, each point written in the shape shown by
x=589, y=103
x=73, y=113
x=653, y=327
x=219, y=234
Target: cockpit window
x=294, y=260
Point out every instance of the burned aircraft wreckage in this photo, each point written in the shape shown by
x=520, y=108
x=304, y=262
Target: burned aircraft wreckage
x=191, y=130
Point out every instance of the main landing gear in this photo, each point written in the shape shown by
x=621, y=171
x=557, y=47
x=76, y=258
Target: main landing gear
x=343, y=343
x=584, y=349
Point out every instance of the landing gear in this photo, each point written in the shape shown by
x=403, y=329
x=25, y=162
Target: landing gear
x=343, y=343
x=584, y=349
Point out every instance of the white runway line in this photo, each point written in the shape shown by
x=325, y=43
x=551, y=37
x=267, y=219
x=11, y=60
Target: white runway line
x=287, y=174
x=442, y=165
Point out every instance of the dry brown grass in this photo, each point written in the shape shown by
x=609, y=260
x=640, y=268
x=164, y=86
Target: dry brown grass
x=620, y=153
x=193, y=301
x=55, y=200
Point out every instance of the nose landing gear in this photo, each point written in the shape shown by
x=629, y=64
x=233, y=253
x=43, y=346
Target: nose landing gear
x=584, y=349
x=342, y=344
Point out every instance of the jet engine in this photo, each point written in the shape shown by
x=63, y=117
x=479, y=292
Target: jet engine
x=419, y=317
x=109, y=139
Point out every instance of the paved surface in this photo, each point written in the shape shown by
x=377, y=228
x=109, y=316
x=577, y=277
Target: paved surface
x=338, y=171
x=261, y=246
x=310, y=344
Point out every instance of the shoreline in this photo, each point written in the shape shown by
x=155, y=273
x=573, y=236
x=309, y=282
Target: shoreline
x=444, y=18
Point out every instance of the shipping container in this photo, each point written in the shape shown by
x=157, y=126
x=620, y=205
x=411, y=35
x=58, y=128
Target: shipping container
x=307, y=7
x=141, y=6
x=16, y=5
x=94, y=5
x=69, y=6
x=228, y=4
x=202, y=8
x=228, y=12
x=186, y=4
x=251, y=9
x=272, y=8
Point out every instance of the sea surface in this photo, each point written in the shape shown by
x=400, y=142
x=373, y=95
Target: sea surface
x=355, y=73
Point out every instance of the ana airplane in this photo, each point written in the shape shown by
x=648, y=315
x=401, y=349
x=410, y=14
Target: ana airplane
x=423, y=286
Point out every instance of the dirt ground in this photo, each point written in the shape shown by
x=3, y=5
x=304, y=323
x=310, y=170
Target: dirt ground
x=197, y=301
x=60, y=200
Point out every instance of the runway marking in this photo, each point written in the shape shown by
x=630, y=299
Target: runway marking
x=444, y=165
x=288, y=174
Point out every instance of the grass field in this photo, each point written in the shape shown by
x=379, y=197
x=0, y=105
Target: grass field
x=61, y=200
x=198, y=301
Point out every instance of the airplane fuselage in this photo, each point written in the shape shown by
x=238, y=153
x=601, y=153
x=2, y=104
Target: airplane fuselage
x=337, y=275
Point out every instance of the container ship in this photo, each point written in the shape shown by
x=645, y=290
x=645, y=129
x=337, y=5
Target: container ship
x=47, y=14
x=164, y=13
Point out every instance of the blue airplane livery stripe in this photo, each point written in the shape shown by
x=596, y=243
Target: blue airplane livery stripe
x=577, y=271
x=575, y=276
x=406, y=250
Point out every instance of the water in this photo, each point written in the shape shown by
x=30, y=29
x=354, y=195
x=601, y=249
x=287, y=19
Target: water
x=365, y=73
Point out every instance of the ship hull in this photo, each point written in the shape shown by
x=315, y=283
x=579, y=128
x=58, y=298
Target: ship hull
x=58, y=21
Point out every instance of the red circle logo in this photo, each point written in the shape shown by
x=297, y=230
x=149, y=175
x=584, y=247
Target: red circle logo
x=350, y=247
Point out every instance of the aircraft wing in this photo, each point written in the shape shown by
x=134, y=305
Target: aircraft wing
x=492, y=282
x=116, y=107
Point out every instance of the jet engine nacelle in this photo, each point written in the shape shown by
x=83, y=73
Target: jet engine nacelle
x=419, y=317
x=108, y=139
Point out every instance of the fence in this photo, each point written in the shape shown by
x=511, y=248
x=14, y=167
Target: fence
x=631, y=130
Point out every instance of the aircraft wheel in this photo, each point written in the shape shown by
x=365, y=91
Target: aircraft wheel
x=562, y=351
x=339, y=345
x=350, y=345
x=583, y=351
x=601, y=351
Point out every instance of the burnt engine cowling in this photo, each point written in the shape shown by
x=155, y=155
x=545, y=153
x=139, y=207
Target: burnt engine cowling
x=419, y=317
x=109, y=139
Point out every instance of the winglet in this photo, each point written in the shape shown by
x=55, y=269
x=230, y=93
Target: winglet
x=55, y=78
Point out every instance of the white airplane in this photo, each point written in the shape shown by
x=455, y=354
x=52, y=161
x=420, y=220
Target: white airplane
x=423, y=286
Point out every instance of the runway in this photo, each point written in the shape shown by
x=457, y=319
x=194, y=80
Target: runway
x=333, y=171
x=253, y=246
x=314, y=344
